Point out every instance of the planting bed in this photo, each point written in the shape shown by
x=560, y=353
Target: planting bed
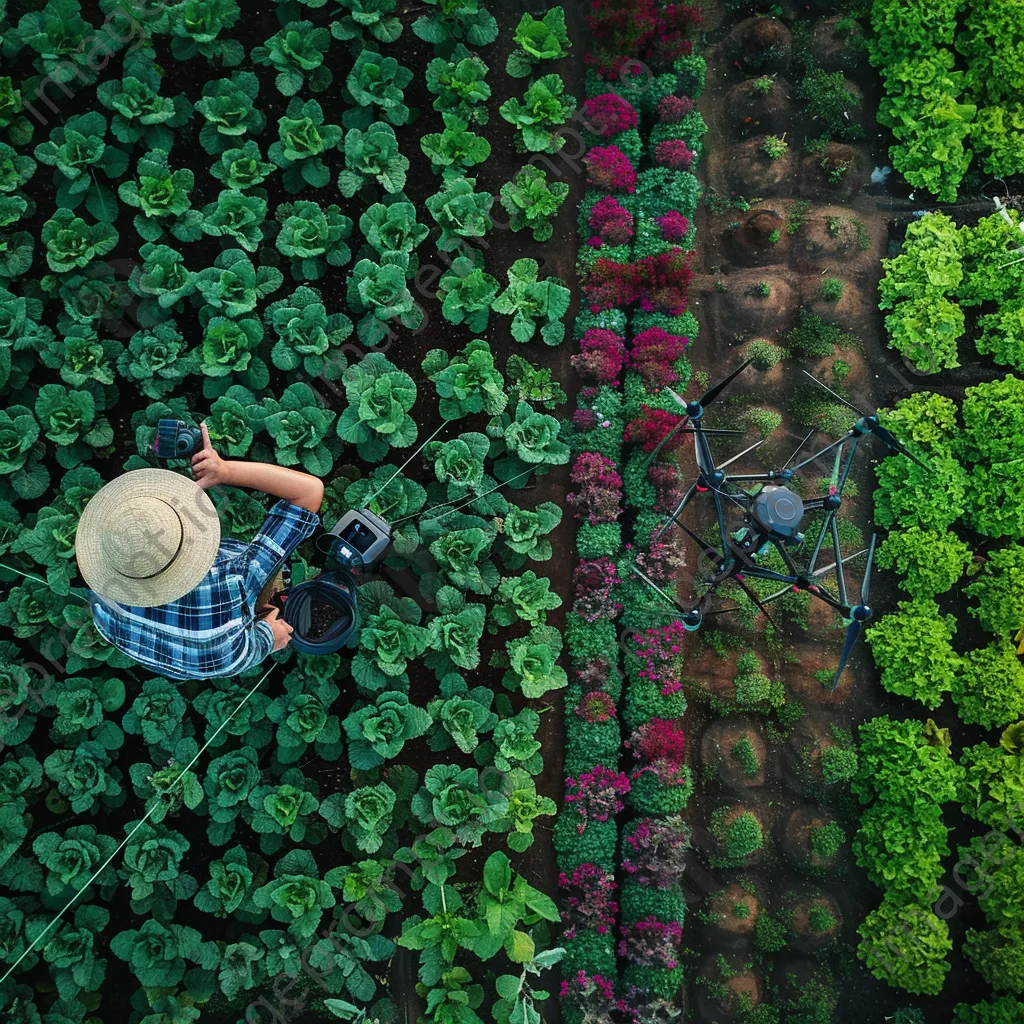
x=337, y=230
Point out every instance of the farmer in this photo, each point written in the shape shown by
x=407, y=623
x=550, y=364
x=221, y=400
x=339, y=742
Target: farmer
x=167, y=590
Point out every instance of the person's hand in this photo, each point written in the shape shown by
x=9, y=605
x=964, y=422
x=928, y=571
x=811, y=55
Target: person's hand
x=281, y=630
x=208, y=467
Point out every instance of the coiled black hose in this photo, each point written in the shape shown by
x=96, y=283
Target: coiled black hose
x=335, y=589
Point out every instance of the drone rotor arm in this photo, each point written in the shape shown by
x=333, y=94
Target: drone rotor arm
x=837, y=550
x=824, y=451
x=674, y=517
x=853, y=633
x=760, y=604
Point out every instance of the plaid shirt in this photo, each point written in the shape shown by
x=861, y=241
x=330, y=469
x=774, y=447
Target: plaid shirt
x=212, y=631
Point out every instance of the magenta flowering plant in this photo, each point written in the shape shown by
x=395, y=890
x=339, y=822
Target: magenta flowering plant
x=594, y=581
x=654, y=852
x=664, y=279
x=609, y=168
x=598, y=494
x=595, y=795
x=674, y=226
x=588, y=900
x=651, y=943
x=660, y=651
x=611, y=285
x=659, y=742
x=591, y=996
x=601, y=356
x=610, y=222
x=653, y=354
x=674, y=153
x=595, y=706
x=608, y=114
x=673, y=108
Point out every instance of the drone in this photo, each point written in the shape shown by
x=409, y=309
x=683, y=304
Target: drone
x=772, y=515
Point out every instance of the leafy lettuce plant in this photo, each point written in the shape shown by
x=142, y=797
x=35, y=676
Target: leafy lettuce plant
x=523, y=533
x=366, y=813
x=466, y=292
x=296, y=895
x=139, y=112
x=392, y=227
x=301, y=429
x=78, y=150
x=381, y=293
x=81, y=705
x=527, y=598
x=530, y=439
x=60, y=36
x=71, y=420
x=377, y=82
x=452, y=152
x=514, y=744
x=72, y=954
x=307, y=336
x=286, y=811
x=380, y=397
x=372, y=155
x=463, y=800
x=525, y=806
x=158, y=716
x=218, y=706
x=230, y=886
x=228, y=106
x=454, y=634
x=537, y=40
x=459, y=463
x=461, y=547
x=303, y=139
x=16, y=253
x=242, y=168
x=157, y=953
x=457, y=20
x=69, y=860
x=459, y=83
x=234, y=286
x=467, y=382
x=390, y=637
x=532, y=659
x=230, y=347
x=528, y=300
x=29, y=608
x=163, y=282
x=313, y=237
x=532, y=203
x=195, y=25
x=460, y=211
x=368, y=887
x=296, y=52
x=303, y=721
x=161, y=194
x=80, y=356
x=157, y=360
x=230, y=778
x=152, y=866
x=543, y=108
x=71, y=242
x=375, y=17
x=460, y=715
x=15, y=169
x=85, y=776
x=377, y=732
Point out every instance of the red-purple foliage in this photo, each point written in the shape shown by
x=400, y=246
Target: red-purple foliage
x=611, y=285
x=654, y=854
x=665, y=477
x=608, y=114
x=674, y=226
x=608, y=168
x=595, y=673
x=620, y=29
x=651, y=943
x=598, y=497
x=588, y=899
x=595, y=795
x=665, y=278
x=653, y=354
x=660, y=649
x=671, y=40
x=594, y=581
x=674, y=153
x=601, y=356
x=658, y=740
x=611, y=223
x=673, y=108
x=595, y=707
x=663, y=559
x=652, y=427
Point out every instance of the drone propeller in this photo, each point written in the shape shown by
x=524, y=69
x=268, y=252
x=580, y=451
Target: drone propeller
x=859, y=616
x=873, y=425
x=713, y=392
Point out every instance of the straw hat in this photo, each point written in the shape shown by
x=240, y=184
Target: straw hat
x=147, y=538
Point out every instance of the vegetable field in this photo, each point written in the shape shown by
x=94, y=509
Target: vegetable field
x=460, y=259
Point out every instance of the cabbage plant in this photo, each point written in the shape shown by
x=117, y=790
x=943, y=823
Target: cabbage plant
x=532, y=203
x=301, y=429
x=537, y=40
x=372, y=155
x=163, y=282
x=307, y=336
x=162, y=196
x=460, y=715
x=537, y=116
x=138, y=112
x=296, y=895
x=467, y=382
x=460, y=211
x=381, y=293
x=286, y=810
x=313, y=237
x=373, y=17
x=457, y=20
x=242, y=168
x=466, y=292
x=390, y=638
x=234, y=286
x=460, y=86
x=303, y=139
x=195, y=27
x=377, y=732
x=72, y=242
x=376, y=85
x=393, y=227
x=529, y=300
x=296, y=52
x=228, y=107
x=456, y=149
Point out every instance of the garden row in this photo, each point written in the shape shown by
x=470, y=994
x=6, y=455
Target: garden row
x=88, y=744
x=908, y=772
x=943, y=117
x=621, y=878
x=943, y=270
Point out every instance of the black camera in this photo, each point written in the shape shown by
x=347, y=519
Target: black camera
x=175, y=439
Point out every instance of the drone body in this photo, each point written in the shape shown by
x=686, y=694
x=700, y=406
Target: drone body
x=772, y=518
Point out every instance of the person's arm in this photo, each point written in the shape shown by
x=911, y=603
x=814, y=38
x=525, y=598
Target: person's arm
x=298, y=488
